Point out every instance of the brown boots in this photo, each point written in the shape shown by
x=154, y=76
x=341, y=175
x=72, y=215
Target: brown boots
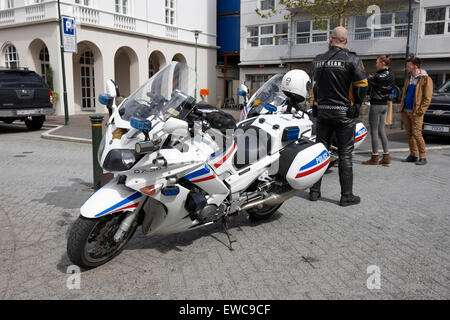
x=375, y=161
x=386, y=161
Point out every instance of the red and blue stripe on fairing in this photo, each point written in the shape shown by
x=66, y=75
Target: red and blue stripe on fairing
x=122, y=205
x=317, y=164
x=361, y=134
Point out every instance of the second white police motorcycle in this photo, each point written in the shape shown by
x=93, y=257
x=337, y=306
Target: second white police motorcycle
x=272, y=98
x=175, y=172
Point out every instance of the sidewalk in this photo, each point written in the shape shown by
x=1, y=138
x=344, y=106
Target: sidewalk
x=79, y=130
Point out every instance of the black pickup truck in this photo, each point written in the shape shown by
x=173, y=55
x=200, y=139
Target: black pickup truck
x=437, y=118
x=24, y=96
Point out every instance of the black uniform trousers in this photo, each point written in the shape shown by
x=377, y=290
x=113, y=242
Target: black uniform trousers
x=329, y=122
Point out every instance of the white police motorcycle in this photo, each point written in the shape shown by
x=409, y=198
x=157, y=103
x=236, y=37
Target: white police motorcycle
x=175, y=172
x=271, y=99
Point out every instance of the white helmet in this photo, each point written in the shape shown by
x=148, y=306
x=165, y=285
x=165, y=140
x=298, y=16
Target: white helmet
x=297, y=84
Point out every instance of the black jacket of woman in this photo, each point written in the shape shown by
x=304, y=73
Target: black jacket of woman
x=381, y=86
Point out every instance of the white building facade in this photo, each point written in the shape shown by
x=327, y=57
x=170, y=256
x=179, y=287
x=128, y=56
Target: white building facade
x=124, y=40
x=273, y=45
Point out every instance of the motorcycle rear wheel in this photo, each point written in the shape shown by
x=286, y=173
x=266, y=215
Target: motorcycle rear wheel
x=263, y=214
x=90, y=243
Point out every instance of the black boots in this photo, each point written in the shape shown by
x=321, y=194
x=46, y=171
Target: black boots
x=314, y=195
x=411, y=159
x=349, y=200
x=421, y=162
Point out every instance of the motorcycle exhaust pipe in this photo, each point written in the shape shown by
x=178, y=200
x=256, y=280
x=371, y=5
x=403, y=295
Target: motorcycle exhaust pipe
x=274, y=199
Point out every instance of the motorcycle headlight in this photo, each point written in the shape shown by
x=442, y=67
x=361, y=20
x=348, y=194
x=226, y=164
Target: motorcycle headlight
x=120, y=160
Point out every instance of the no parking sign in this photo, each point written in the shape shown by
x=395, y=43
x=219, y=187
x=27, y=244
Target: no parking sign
x=69, y=34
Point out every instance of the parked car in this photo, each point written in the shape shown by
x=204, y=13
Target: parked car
x=437, y=118
x=24, y=96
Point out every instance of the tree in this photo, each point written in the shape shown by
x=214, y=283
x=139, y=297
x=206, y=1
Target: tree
x=336, y=11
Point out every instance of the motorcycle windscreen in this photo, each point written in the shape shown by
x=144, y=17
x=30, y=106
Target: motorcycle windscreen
x=303, y=164
x=265, y=95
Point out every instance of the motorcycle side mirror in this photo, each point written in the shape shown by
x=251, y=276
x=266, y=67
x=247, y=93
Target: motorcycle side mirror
x=112, y=89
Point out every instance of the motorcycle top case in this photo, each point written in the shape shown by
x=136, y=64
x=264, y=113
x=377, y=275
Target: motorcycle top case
x=303, y=164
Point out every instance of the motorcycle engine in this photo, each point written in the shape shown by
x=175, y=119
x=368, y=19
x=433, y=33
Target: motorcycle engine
x=199, y=209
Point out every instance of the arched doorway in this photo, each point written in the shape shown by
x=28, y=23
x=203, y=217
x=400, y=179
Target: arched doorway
x=180, y=58
x=155, y=63
x=126, y=70
x=87, y=76
x=87, y=71
x=39, y=58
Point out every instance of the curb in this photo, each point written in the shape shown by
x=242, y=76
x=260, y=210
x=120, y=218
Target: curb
x=49, y=136
x=403, y=150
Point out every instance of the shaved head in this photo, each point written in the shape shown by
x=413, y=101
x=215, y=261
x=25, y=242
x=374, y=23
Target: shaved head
x=339, y=36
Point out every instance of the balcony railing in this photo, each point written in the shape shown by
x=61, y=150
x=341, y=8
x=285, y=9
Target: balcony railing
x=86, y=15
x=124, y=22
x=7, y=17
x=35, y=13
x=101, y=19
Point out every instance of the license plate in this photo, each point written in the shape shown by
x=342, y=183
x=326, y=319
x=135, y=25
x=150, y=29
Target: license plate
x=27, y=112
x=437, y=128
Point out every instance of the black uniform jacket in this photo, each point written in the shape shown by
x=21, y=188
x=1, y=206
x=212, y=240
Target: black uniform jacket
x=340, y=78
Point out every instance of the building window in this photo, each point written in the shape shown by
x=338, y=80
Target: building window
x=268, y=35
x=361, y=30
x=386, y=26
x=308, y=31
x=252, y=36
x=11, y=57
x=436, y=20
x=391, y=25
x=255, y=81
x=320, y=32
x=281, y=34
x=303, y=32
x=84, y=2
x=122, y=6
x=87, y=81
x=401, y=24
x=267, y=4
x=170, y=11
x=44, y=57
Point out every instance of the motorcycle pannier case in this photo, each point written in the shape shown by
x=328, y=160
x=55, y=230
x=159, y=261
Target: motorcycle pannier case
x=303, y=164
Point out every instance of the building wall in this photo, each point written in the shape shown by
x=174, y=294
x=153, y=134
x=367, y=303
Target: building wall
x=121, y=52
x=433, y=49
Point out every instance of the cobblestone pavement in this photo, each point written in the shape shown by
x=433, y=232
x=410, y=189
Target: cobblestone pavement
x=307, y=250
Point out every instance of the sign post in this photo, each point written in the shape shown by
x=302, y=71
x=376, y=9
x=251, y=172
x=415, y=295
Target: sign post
x=67, y=35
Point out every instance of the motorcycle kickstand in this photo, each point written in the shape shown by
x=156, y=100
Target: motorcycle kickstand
x=230, y=237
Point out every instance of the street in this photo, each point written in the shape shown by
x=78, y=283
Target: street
x=400, y=232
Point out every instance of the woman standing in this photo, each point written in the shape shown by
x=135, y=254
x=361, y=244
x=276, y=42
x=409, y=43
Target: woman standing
x=381, y=86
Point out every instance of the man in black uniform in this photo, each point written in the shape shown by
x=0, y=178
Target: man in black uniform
x=340, y=87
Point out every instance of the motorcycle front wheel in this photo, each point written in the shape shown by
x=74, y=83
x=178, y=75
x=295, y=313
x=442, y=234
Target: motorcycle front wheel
x=91, y=241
